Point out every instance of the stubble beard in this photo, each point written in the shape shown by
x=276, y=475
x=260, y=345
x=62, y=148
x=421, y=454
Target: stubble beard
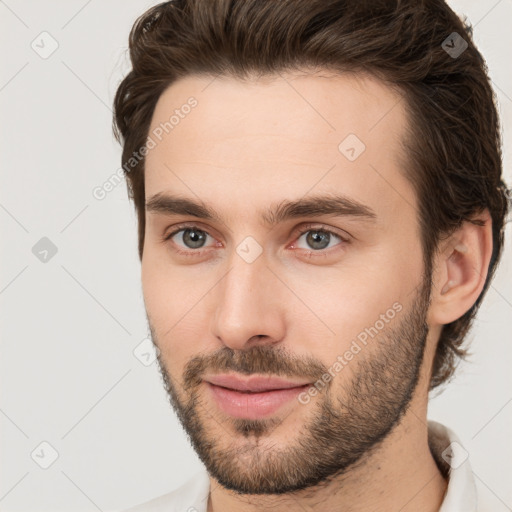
x=349, y=419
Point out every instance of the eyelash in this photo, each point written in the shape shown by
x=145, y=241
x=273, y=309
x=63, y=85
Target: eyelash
x=305, y=229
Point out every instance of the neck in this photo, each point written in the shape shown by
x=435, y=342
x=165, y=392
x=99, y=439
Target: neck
x=400, y=474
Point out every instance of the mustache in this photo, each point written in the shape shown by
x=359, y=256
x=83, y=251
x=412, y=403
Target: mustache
x=259, y=359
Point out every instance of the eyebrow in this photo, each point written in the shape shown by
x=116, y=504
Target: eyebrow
x=312, y=206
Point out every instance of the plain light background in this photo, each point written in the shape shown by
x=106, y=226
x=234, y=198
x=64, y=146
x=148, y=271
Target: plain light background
x=70, y=325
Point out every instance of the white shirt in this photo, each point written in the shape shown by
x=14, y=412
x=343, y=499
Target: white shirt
x=445, y=446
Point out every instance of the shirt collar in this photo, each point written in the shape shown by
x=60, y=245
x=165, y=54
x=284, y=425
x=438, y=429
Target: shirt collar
x=453, y=462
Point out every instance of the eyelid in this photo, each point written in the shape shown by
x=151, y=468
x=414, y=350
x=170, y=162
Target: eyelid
x=187, y=225
x=343, y=235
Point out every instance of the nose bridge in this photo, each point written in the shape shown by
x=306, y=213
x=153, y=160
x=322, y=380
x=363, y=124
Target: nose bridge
x=247, y=305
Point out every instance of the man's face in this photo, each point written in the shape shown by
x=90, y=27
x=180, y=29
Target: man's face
x=335, y=298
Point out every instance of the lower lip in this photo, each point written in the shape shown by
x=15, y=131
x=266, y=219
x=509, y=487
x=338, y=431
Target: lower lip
x=252, y=406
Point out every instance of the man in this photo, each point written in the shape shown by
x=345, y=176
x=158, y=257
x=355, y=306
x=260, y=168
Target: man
x=320, y=205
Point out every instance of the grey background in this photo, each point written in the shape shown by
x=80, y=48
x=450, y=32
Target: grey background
x=70, y=324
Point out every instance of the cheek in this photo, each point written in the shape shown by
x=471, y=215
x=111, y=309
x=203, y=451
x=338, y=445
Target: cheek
x=345, y=302
x=169, y=290
x=173, y=298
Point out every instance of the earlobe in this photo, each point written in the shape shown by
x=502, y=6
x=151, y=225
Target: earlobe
x=461, y=270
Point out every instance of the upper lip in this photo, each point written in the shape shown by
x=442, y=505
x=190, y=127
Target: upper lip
x=254, y=383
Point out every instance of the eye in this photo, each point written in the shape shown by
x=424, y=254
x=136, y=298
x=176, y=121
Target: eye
x=318, y=239
x=190, y=236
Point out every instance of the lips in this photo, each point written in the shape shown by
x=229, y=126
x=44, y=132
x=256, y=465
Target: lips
x=253, y=384
x=253, y=398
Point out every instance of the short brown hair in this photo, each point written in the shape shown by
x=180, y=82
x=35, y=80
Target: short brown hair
x=453, y=145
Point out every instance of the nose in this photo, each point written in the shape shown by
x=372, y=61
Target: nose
x=250, y=309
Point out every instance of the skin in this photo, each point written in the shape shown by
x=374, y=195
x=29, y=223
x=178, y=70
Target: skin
x=245, y=147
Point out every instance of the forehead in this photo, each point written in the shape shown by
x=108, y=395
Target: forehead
x=262, y=140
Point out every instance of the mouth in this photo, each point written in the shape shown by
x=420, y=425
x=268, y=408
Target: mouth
x=254, y=384
x=254, y=398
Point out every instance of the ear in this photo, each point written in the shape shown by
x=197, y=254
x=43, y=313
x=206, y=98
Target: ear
x=460, y=270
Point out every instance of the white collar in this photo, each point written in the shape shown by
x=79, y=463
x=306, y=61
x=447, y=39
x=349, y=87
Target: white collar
x=453, y=461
